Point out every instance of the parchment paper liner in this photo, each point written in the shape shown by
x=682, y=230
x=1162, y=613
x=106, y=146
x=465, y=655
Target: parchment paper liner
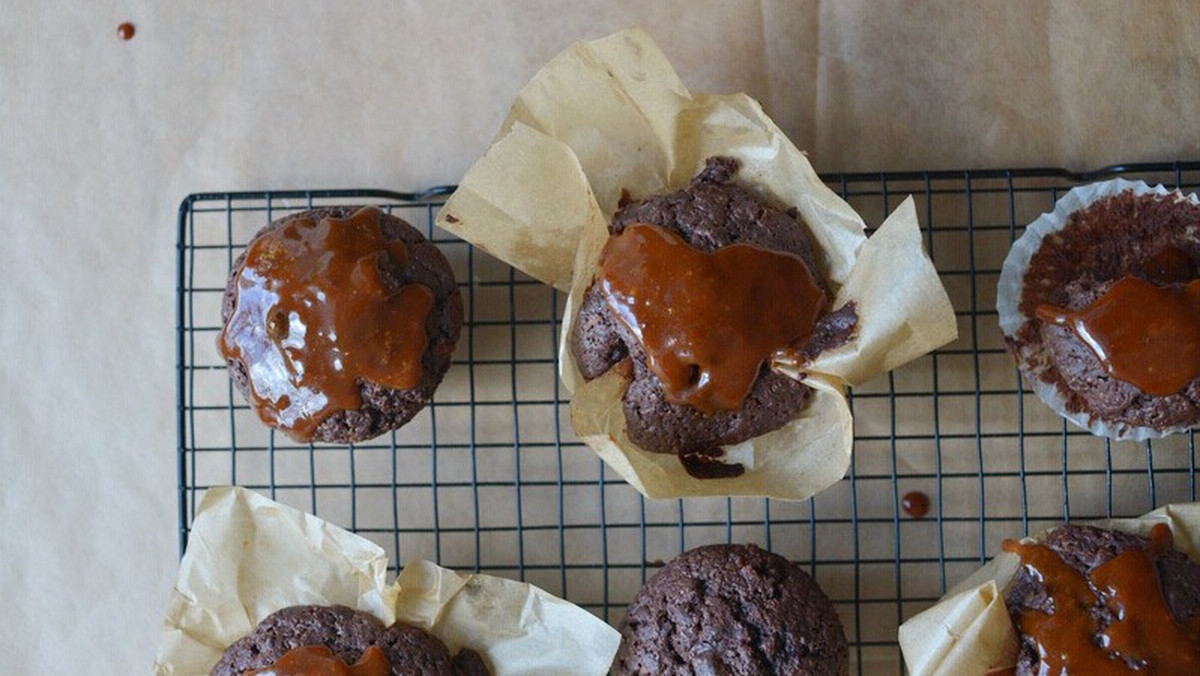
x=248, y=557
x=969, y=632
x=611, y=115
x=1033, y=359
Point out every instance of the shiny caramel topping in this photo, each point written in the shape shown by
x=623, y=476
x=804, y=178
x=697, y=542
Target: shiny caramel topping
x=318, y=660
x=707, y=321
x=1143, y=636
x=315, y=318
x=1143, y=334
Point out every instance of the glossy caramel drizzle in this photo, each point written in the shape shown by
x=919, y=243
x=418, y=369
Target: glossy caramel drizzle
x=318, y=660
x=707, y=321
x=314, y=319
x=1143, y=634
x=1143, y=334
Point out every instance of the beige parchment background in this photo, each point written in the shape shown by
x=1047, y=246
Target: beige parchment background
x=100, y=139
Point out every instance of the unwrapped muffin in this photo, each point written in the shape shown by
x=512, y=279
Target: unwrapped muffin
x=1100, y=304
x=735, y=610
x=339, y=323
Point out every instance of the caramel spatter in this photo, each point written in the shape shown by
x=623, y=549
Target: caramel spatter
x=1143, y=334
x=318, y=660
x=1143, y=637
x=707, y=321
x=315, y=318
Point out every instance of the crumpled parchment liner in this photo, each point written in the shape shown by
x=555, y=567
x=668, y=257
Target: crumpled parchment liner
x=1034, y=360
x=248, y=556
x=611, y=115
x=969, y=631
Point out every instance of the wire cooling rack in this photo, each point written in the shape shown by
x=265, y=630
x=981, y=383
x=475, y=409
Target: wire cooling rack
x=490, y=478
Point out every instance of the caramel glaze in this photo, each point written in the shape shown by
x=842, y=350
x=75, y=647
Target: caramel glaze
x=1143, y=334
x=318, y=660
x=1143, y=636
x=314, y=319
x=707, y=321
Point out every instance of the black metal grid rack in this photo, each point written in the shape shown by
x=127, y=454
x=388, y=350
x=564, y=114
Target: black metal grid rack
x=490, y=478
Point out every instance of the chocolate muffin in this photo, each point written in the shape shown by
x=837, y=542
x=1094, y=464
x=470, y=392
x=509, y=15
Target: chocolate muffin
x=339, y=323
x=734, y=610
x=1127, y=246
x=710, y=214
x=1084, y=549
x=347, y=634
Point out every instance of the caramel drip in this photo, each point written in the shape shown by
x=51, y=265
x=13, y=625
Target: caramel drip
x=707, y=321
x=1143, y=637
x=318, y=660
x=314, y=319
x=916, y=504
x=1143, y=334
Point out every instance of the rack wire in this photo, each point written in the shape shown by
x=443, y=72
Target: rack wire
x=489, y=477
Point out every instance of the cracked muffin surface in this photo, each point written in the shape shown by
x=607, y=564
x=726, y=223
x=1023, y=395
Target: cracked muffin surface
x=734, y=610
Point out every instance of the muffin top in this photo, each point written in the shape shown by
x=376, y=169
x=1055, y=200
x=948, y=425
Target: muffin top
x=313, y=635
x=1113, y=299
x=735, y=610
x=1109, y=601
x=339, y=323
x=698, y=288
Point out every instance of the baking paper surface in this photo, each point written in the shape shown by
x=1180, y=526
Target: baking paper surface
x=969, y=631
x=1036, y=362
x=248, y=556
x=611, y=116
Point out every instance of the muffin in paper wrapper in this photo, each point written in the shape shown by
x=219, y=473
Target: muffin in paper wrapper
x=609, y=117
x=248, y=557
x=969, y=632
x=1032, y=358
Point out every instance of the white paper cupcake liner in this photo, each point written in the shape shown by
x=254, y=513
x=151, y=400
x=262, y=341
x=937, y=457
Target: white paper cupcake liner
x=1031, y=357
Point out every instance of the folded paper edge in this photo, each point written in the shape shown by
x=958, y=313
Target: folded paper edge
x=176, y=637
x=931, y=309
